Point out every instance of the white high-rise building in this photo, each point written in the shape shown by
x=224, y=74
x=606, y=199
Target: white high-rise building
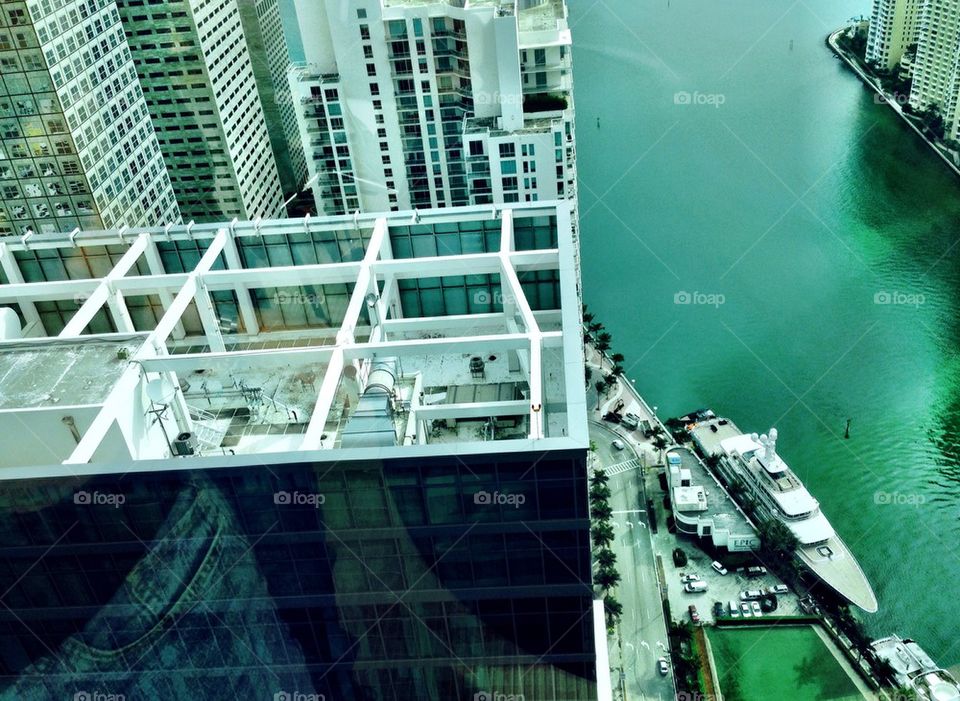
x=263, y=28
x=199, y=84
x=893, y=28
x=936, y=73
x=436, y=103
x=77, y=149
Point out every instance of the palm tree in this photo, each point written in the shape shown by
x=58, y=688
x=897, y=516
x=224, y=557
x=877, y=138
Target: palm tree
x=610, y=380
x=602, y=534
x=606, y=558
x=587, y=375
x=587, y=316
x=613, y=610
x=601, y=511
x=599, y=476
x=603, y=342
x=660, y=443
x=607, y=578
x=616, y=370
x=601, y=388
x=599, y=491
x=617, y=358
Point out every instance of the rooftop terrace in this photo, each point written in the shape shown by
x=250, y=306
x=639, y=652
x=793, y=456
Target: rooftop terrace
x=365, y=336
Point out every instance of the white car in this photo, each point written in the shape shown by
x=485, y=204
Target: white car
x=734, y=610
x=755, y=607
x=689, y=578
x=663, y=667
x=617, y=443
x=718, y=568
x=750, y=594
x=780, y=589
x=745, y=609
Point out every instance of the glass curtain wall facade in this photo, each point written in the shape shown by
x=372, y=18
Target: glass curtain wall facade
x=439, y=578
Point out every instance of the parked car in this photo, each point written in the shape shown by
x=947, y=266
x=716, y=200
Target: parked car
x=745, y=609
x=750, y=594
x=663, y=667
x=697, y=587
x=718, y=568
x=673, y=459
x=617, y=443
x=630, y=421
x=734, y=609
x=755, y=571
x=755, y=607
x=613, y=417
x=689, y=577
x=694, y=614
x=779, y=589
x=717, y=609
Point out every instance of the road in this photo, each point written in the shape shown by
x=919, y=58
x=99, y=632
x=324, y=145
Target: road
x=642, y=628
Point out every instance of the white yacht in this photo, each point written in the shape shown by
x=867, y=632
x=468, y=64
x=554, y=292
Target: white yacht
x=752, y=460
x=913, y=669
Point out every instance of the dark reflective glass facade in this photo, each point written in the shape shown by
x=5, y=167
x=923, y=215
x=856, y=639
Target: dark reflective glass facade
x=430, y=578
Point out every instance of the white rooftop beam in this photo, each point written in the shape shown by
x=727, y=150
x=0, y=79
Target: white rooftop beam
x=187, y=292
x=472, y=410
x=365, y=284
x=155, y=264
x=105, y=293
x=14, y=276
x=276, y=357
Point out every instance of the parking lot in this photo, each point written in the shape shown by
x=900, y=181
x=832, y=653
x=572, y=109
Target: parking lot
x=723, y=588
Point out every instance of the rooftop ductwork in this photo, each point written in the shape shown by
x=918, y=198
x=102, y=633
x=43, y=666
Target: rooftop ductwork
x=371, y=424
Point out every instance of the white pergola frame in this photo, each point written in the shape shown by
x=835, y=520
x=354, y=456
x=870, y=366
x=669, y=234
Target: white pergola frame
x=377, y=274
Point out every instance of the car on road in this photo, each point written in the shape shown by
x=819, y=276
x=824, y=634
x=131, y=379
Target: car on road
x=697, y=587
x=689, y=577
x=718, y=568
x=745, y=609
x=694, y=614
x=750, y=594
x=734, y=609
x=618, y=444
x=779, y=589
x=663, y=667
x=630, y=421
x=755, y=607
x=755, y=571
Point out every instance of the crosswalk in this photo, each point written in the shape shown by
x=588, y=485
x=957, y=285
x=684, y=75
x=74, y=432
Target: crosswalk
x=621, y=467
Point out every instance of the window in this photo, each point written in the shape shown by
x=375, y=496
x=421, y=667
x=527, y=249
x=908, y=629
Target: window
x=476, y=148
x=508, y=167
x=508, y=150
x=361, y=13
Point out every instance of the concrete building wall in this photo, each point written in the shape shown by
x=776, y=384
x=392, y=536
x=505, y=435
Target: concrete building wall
x=936, y=75
x=893, y=28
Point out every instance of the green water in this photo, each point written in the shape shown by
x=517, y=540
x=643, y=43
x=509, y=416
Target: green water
x=799, y=201
x=778, y=663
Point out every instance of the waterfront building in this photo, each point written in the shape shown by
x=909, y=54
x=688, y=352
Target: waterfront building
x=270, y=55
x=435, y=103
x=893, y=29
x=335, y=456
x=702, y=508
x=936, y=73
x=197, y=76
x=77, y=148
